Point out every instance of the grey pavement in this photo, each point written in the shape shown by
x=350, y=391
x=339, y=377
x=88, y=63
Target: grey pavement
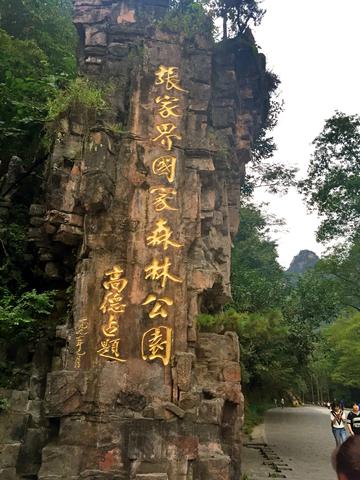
x=294, y=443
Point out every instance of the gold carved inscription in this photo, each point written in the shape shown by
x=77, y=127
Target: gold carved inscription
x=166, y=135
x=169, y=77
x=111, y=327
x=81, y=331
x=161, y=236
x=163, y=195
x=115, y=285
x=165, y=166
x=159, y=309
x=110, y=349
x=160, y=271
x=113, y=306
x=156, y=343
x=112, y=302
x=168, y=106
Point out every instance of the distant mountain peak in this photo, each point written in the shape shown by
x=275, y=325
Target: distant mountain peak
x=304, y=260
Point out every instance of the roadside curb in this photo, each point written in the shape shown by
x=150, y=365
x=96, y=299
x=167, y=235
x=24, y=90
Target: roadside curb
x=260, y=459
x=270, y=464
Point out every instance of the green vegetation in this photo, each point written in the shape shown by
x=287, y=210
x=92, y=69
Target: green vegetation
x=332, y=185
x=187, y=17
x=298, y=336
x=343, y=340
x=319, y=309
x=258, y=314
x=25, y=307
x=192, y=17
x=80, y=93
x=238, y=13
x=26, y=84
x=22, y=314
x=332, y=188
x=257, y=279
x=335, y=312
x=245, y=476
x=4, y=405
x=254, y=414
x=267, y=358
x=37, y=57
x=22, y=308
x=263, y=171
x=48, y=24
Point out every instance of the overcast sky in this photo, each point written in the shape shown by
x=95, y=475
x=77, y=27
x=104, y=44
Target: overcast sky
x=313, y=45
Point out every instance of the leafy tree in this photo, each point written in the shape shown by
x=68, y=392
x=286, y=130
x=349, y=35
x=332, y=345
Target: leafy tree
x=332, y=186
x=257, y=279
x=343, y=337
x=319, y=371
x=342, y=266
x=326, y=295
x=37, y=55
x=315, y=299
x=26, y=83
x=48, y=24
x=240, y=13
x=24, y=314
x=188, y=17
x=323, y=292
x=275, y=177
x=268, y=362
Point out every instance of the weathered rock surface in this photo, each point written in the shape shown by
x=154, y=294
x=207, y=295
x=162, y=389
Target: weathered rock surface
x=135, y=391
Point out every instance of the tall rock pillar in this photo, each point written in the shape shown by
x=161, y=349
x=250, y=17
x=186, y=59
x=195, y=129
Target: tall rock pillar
x=144, y=198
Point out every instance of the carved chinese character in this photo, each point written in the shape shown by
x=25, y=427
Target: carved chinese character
x=160, y=305
x=111, y=327
x=156, y=343
x=111, y=303
x=79, y=351
x=79, y=344
x=166, y=135
x=81, y=330
x=113, y=298
x=163, y=195
x=168, y=106
x=77, y=363
x=158, y=271
x=115, y=281
x=161, y=236
x=165, y=166
x=168, y=76
x=110, y=349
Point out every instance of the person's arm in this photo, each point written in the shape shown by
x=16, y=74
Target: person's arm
x=348, y=422
x=332, y=418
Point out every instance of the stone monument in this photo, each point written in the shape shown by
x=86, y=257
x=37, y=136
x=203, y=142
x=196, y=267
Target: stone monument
x=139, y=205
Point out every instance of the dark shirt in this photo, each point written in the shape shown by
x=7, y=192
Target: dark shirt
x=354, y=420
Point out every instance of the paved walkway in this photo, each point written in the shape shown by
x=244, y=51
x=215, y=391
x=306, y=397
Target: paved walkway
x=294, y=443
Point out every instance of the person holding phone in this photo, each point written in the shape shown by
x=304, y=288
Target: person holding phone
x=338, y=422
